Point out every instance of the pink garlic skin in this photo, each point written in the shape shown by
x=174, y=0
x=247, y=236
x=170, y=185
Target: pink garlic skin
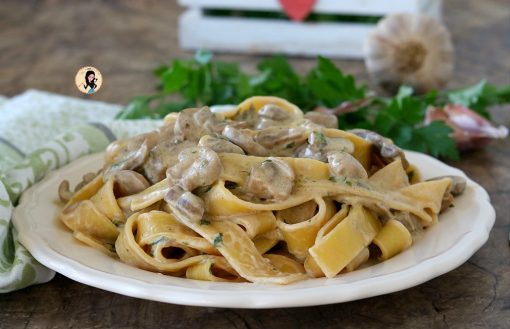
x=470, y=130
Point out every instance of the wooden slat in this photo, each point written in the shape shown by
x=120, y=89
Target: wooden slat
x=258, y=36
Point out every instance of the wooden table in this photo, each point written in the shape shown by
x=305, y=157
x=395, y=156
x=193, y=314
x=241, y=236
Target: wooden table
x=42, y=45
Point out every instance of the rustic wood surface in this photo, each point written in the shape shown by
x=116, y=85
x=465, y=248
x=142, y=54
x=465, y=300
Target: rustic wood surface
x=42, y=45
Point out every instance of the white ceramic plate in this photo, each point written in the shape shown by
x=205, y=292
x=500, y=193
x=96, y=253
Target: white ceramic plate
x=461, y=231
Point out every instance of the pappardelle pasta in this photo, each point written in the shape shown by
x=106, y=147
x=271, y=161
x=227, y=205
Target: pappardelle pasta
x=259, y=193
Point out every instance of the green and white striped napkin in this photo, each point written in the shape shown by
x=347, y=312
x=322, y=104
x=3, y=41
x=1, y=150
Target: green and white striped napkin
x=40, y=132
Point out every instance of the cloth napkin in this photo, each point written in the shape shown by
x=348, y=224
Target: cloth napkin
x=40, y=132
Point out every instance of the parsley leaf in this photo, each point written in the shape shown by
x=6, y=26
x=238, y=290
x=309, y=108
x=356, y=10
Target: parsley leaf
x=203, y=56
x=437, y=140
x=480, y=97
x=175, y=77
x=400, y=119
x=290, y=145
x=433, y=139
x=218, y=239
x=330, y=86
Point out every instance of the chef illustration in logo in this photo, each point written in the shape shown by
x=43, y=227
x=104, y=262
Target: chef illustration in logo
x=88, y=80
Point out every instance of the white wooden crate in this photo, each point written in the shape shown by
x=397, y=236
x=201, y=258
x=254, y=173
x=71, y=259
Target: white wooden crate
x=266, y=35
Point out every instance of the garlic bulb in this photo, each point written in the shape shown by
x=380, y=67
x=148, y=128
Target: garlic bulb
x=410, y=49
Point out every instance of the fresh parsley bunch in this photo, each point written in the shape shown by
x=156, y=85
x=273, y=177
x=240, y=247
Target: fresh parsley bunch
x=202, y=81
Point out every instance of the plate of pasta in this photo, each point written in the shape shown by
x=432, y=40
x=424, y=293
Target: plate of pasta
x=254, y=206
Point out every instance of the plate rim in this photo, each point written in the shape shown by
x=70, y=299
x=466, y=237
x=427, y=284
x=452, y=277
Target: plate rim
x=424, y=271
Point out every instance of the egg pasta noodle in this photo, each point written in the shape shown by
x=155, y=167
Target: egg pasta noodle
x=260, y=193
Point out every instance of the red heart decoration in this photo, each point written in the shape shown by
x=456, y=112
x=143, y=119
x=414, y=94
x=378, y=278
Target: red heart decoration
x=297, y=10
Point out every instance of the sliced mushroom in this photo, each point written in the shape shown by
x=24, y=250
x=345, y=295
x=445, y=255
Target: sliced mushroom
x=313, y=150
x=305, y=151
x=387, y=150
x=185, y=125
x=219, y=144
x=447, y=201
x=63, y=191
x=245, y=140
x=410, y=221
x=272, y=180
x=456, y=188
x=264, y=123
x=274, y=112
x=165, y=132
x=193, y=123
x=161, y=157
x=197, y=166
x=87, y=178
x=246, y=119
x=274, y=136
x=323, y=119
x=319, y=145
x=338, y=144
x=132, y=160
x=344, y=164
x=185, y=202
x=128, y=182
x=123, y=148
x=271, y=115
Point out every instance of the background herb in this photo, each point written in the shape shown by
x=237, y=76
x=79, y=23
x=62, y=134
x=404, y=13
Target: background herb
x=202, y=81
x=480, y=97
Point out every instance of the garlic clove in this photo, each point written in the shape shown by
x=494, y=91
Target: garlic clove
x=410, y=49
x=474, y=123
x=470, y=130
